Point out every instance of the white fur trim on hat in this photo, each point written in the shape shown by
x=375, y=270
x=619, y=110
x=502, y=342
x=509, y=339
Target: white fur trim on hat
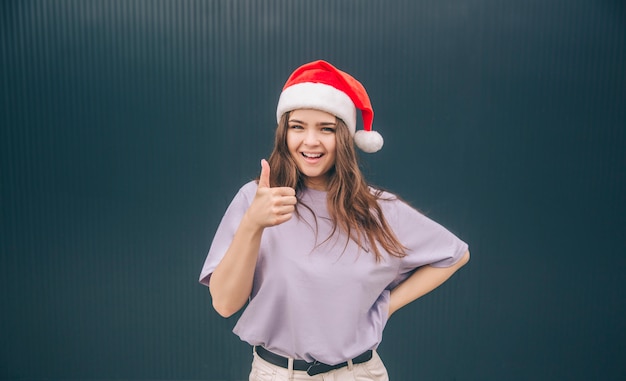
x=368, y=141
x=318, y=96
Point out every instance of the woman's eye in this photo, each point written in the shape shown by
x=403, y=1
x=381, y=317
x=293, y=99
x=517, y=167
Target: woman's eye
x=296, y=127
x=328, y=129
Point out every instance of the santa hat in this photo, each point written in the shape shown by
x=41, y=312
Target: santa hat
x=319, y=85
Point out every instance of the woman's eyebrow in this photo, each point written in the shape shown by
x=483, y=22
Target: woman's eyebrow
x=319, y=124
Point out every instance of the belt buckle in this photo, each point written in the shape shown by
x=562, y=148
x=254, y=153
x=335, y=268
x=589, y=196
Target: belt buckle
x=317, y=368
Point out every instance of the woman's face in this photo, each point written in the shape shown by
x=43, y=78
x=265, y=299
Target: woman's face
x=312, y=144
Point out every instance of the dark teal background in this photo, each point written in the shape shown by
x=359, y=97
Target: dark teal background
x=127, y=127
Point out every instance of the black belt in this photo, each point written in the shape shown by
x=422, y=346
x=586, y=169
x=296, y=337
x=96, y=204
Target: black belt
x=312, y=368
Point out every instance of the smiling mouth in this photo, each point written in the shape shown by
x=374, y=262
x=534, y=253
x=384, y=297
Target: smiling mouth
x=312, y=155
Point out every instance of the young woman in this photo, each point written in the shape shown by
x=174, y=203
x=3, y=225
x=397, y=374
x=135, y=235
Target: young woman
x=322, y=259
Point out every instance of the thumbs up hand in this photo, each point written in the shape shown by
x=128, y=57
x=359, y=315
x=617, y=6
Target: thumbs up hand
x=271, y=206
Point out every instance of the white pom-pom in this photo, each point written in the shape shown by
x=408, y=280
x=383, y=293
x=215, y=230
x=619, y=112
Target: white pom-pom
x=368, y=141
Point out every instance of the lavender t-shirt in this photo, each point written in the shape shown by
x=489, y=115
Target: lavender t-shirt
x=316, y=297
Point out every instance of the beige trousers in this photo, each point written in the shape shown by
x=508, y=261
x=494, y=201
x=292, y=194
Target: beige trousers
x=372, y=370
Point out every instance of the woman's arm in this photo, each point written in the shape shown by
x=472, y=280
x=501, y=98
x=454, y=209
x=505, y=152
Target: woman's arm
x=421, y=282
x=231, y=282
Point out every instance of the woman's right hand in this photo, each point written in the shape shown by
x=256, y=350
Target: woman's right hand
x=271, y=206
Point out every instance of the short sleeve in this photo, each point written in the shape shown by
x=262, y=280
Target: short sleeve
x=427, y=242
x=226, y=231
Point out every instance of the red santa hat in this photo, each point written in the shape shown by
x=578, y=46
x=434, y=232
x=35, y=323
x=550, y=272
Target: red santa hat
x=319, y=85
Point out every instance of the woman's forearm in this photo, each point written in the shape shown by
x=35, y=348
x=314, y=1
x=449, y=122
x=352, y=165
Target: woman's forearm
x=421, y=282
x=231, y=282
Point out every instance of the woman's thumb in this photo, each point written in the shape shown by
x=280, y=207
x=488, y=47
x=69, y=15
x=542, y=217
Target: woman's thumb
x=264, y=180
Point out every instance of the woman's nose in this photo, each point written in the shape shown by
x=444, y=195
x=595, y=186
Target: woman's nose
x=311, y=138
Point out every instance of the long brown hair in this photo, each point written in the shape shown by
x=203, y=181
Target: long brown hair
x=352, y=205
